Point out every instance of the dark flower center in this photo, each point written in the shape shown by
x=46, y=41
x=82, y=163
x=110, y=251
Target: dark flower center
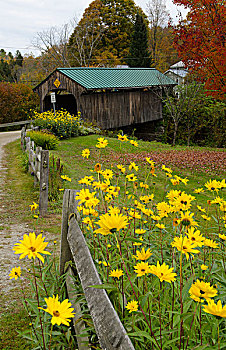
x=113, y=230
x=56, y=313
x=193, y=238
x=32, y=249
x=201, y=292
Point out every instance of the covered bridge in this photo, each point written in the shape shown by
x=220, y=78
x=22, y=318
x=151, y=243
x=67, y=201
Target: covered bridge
x=110, y=97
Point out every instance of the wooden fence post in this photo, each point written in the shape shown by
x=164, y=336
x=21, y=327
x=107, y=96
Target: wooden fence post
x=44, y=182
x=69, y=207
x=109, y=329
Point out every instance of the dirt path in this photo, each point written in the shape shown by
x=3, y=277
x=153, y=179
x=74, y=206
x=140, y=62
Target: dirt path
x=9, y=233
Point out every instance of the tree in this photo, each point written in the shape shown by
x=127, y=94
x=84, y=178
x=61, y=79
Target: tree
x=200, y=41
x=10, y=66
x=105, y=27
x=179, y=103
x=139, y=53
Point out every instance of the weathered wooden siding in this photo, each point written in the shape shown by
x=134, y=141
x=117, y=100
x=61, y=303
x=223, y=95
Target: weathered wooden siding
x=115, y=109
x=109, y=109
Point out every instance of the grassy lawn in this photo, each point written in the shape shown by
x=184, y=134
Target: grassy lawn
x=199, y=164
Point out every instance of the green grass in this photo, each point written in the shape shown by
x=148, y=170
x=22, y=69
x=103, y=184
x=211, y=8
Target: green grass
x=19, y=193
x=117, y=152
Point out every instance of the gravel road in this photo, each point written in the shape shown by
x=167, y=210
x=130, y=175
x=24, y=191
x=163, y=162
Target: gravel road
x=9, y=233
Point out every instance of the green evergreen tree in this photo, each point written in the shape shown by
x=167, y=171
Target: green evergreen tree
x=139, y=54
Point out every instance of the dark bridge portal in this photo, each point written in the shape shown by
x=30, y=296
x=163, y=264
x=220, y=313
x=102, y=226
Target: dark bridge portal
x=65, y=101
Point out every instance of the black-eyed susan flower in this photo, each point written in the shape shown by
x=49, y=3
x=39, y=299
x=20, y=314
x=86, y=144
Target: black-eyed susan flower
x=199, y=190
x=185, y=245
x=65, y=178
x=33, y=206
x=110, y=223
x=15, y=273
x=131, y=177
x=121, y=168
x=86, y=153
x=204, y=267
x=97, y=167
x=163, y=272
x=122, y=138
x=107, y=174
x=140, y=231
x=143, y=255
x=102, y=142
x=134, y=143
x=31, y=246
x=210, y=243
x=201, y=291
x=116, y=273
x=213, y=185
x=160, y=226
x=142, y=269
x=133, y=166
x=195, y=236
x=132, y=306
x=215, y=309
x=223, y=237
x=187, y=219
x=61, y=312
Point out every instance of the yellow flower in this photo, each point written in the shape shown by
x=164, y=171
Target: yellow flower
x=201, y=209
x=199, y=190
x=213, y=185
x=134, y=143
x=222, y=237
x=147, y=199
x=205, y=217
x=143, y=255
x=122, y=138
x=184, y=245
x=140, y=231
x=33, y=206
x=15, y=273
x=131, y=177
x=215, y=309
x=31, y=246
x=210, y=243
x=141, y=269
x=204, y=267
x=163, y=272
x=195, y=237
x=138, y=243
x=116, y=273
x=201, y=290
x=66, y=178
x=87, y=197
x=132, y=306
x=187, y=219
x=107, y=174
x=97, y=167
x=110, y=223
x=102, y=142
x=61, y=312
x=161, y=226
x=121, y=168
x=143, y=185
x=133, y=166
x=86, y=153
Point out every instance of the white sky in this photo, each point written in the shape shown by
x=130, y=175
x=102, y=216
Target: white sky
x=20, y=20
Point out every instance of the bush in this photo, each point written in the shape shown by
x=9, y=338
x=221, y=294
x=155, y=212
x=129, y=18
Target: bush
x=62, y=124
x=44, y=140
x=16, y=101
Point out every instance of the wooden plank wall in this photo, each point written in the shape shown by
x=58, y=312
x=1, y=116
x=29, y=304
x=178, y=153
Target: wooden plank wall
x=108, y=109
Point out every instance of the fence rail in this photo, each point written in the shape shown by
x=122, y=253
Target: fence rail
x=24, y=122
x=109, y=329
x=39, y=168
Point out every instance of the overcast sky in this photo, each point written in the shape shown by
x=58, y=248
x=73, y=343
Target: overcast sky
x=20, y=20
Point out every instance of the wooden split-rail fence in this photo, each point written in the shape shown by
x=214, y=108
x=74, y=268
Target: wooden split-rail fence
x=109, y=329
x=38, y=167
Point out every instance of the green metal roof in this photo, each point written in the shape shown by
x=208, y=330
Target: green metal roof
x=110, y=78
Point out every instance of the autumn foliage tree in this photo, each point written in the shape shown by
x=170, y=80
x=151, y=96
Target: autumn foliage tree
x=16, y=100
x=105, y=29
x=200, y=41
